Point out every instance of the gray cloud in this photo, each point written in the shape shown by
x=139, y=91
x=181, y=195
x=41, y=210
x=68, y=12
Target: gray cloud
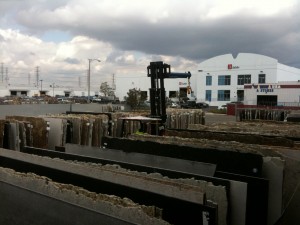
x=276, y=36
x=72, y=61
x=272, y=36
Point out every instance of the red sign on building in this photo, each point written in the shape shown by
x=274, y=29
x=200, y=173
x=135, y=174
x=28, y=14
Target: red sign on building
x=229, y=66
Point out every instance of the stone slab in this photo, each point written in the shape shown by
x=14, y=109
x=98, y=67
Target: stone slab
x=187, y=166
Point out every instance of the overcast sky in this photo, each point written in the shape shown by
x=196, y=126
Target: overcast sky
x=59, y=36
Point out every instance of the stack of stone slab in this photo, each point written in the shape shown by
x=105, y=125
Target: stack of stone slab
x=51, y=132
x=263, y=177
x=278, y=142
x=47, y=193
x=263, y=114
x=77, y=129
x=176, y=119
x=252, y=127
x=20, y=131
x=54, y=131
x=183, y=118
x=247, y=138
x=205, y=202
x=130, y=126
x=215, y=190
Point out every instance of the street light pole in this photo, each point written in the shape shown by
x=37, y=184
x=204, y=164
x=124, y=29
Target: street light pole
x=53, y=89
x=89, y=77
x=41, y=85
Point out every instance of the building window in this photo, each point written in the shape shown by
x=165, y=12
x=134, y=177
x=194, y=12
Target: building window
x=43, y=93
x=208, y=80
x=244, y=79
x=261, y=78
x=13, y=93
x=240, y=95
x=223, y=95
x=172, y=94
x=182, y=92
x=208, y=95
x=224, y=80
x=144, y=94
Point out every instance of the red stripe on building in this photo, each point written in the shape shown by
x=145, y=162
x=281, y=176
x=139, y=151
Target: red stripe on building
x=289, y=85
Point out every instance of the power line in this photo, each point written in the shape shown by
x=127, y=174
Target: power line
x=131, y=77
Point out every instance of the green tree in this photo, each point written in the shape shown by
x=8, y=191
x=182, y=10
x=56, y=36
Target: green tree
x=134, y=98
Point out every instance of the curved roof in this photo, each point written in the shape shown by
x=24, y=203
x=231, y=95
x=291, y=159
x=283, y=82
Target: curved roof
x=251, y=58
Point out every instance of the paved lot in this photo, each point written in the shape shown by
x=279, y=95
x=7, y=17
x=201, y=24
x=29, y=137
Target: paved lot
x=42, y=109
x=218, y=118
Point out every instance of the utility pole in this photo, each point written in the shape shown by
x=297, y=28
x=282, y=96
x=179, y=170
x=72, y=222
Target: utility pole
x=53, y=84
x=28, y=79
x=6, y=75
x=41, y=85
x=2, y=71
x=113, y=83
x=37, y=76
x=89, y=81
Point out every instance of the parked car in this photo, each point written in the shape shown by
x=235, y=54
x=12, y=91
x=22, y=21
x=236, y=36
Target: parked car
x=223, y=107
x=194, y=105
x=63, y=100
x=173, y=105
x=202, y=105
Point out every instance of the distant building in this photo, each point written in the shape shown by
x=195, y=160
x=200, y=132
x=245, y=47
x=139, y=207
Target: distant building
x=223, y=79
x=31, y=91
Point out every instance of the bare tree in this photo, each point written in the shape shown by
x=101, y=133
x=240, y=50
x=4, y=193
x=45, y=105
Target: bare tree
x=106, y=89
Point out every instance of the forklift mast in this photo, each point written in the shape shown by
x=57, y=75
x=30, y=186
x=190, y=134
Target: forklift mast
x=158, y=71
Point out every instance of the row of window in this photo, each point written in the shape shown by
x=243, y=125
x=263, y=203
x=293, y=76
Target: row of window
x=223, y=95
x=242, y=79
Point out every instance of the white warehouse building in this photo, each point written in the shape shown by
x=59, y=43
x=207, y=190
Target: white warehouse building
x=222, y=79
x=31, y=91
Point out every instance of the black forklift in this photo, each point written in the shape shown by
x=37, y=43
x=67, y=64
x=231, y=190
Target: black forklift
x=157, y=71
